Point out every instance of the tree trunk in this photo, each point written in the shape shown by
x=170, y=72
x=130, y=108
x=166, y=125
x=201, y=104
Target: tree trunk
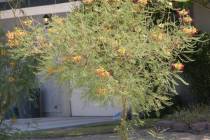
x=123, y=123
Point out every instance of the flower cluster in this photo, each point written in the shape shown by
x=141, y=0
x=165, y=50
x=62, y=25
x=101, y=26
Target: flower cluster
x=102, y=73
x=75, y=59
x=187, y=21
x=15, y=37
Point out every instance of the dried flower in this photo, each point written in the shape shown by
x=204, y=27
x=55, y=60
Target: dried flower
x=183, y=12
x=187, y=20
x=190, y=31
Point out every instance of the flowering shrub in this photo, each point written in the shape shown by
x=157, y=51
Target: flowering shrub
x=125, y=52
x=17, y=76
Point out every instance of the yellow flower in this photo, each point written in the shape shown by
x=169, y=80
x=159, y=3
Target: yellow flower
x=121, y=51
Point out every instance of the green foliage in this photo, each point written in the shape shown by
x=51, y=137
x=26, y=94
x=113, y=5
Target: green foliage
x=125, y=41
x=122, y=51
x=17, y=79
x=199, y=72
x=192, y=114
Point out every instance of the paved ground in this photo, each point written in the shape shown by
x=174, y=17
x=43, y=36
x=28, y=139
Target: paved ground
x=142, y=135
x=52, y=123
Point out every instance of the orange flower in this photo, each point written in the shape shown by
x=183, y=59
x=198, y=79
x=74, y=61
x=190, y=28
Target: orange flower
x=14, y=38
x=77, y=59
x=121, y=51
x=187, y=20
x=87, y=1
x=190, y=31
x=101, y=91
x=102, y=73
x=183, y=12
x=178, y=66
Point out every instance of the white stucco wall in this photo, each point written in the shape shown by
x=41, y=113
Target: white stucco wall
x=81, y=107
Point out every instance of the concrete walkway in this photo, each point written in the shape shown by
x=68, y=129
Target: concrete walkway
x=141, y=135
x=35, y=124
